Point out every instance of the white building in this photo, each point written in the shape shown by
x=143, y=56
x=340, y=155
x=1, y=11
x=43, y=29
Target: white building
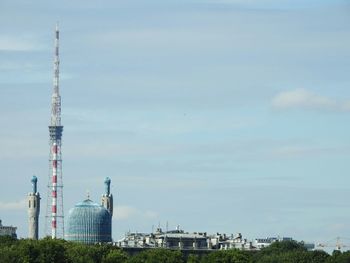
x=8, y=230
x=178, y=239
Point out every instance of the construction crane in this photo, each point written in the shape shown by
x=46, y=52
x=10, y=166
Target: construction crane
x=335, y=242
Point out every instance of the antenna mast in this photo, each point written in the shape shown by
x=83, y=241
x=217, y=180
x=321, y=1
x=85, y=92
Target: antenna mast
x=55, y=215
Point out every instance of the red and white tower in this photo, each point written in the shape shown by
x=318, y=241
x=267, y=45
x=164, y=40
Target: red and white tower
x=54, y=214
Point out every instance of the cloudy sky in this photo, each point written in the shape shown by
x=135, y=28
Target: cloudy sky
x=217, y=115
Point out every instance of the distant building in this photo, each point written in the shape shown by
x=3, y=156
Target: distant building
x=260, y=243
x=224, y=242
x=7, y=230
x=174, y=239
x=265, y=242
x=178, y=239
x=89, y=223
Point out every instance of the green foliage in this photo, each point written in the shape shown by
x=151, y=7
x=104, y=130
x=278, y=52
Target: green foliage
x=49, y=250
x=193, y=259
x=60, y=251
x=290, y=252
x=282, y=247
x=157, y=255
x=318, y=256
x=339, y=257
x=28, y=251
x=9, y=254
x=228, y=256
x=7, y=240
x=57, y=251
x=115, y=256
x=290, y=257
x=79, y=253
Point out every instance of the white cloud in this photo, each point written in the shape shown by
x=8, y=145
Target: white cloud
x=294, y=151
x=274, y=3
x=150, y=214
x=10, y=65
x=345, y=106
x=10, y=43
x=123, y=212
x=297, y=151
x=17, y=205
x=304, y=99
x=24, y=147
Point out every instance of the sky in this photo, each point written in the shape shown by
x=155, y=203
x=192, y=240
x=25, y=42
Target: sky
x=216, y=115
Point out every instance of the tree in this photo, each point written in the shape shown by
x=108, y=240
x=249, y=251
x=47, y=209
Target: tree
x=115, y=256
x=282, y=247
x=193, y=259
x=156, y=256
x=50, y=250
x=7, y=240
x=339, y=257
x=319, y=256
x=81, y=253
x=27, y=251
x=292, y=256
x=228, y=256
x=9, y=254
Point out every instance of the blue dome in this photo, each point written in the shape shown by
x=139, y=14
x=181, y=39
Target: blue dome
x=89, y=223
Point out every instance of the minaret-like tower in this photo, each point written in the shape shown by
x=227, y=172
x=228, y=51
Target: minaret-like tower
x=107, y=197
x=34, y=210
x=54, y=214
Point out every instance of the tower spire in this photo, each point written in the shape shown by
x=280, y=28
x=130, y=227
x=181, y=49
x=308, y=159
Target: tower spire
x=34, y=210
x=54, y=214
x=107, y=197
x=56, y=98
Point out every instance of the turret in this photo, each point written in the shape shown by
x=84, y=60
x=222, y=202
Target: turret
x=34, y=210
x=107, y=197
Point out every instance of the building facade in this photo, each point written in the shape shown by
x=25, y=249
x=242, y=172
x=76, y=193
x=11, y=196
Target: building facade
x=7, y=230
x=179, y=239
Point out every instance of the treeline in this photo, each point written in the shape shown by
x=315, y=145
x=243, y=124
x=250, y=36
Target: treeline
x=60, y=251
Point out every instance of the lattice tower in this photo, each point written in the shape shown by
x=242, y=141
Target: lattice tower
x=54, y=213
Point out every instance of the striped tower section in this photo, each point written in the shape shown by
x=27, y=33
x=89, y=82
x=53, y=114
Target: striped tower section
x=54, y=213
x=54, y=192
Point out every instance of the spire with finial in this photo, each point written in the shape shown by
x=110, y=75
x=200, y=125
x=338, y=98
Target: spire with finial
x=34, y=183
x=107, y=197
x=56, y=98
x=107, y=185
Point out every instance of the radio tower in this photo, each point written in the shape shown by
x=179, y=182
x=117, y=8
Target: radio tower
x=54, y=211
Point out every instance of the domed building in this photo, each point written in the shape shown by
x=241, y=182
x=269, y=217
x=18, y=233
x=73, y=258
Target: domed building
x=89, y=222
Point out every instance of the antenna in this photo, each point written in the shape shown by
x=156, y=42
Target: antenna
x=55, y=215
